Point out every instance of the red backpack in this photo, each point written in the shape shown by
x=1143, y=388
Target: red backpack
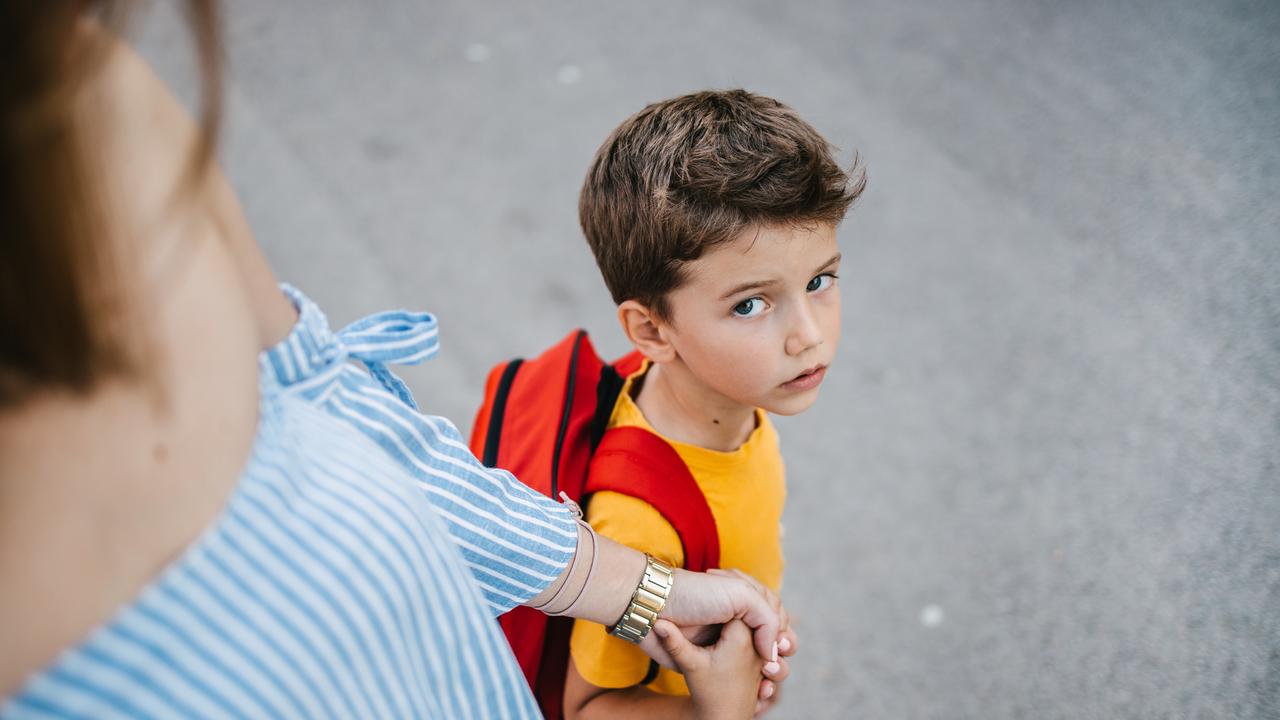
x=544, y=420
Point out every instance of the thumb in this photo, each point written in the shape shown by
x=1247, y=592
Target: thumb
x=735, y=633
x=684, y=654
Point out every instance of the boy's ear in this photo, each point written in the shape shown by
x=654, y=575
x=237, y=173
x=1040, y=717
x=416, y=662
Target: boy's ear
x=646, y=331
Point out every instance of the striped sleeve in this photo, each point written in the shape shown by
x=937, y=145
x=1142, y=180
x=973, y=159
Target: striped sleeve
x=514, y=540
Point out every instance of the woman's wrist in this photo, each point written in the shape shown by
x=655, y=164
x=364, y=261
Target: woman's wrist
x=694, y=601
x=598, y=583
x=647, y=601
x=563, y=593
x=618, y=570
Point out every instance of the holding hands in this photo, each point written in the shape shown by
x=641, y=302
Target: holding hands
x=734, y=667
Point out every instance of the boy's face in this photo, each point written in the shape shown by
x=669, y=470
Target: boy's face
x=758, y=319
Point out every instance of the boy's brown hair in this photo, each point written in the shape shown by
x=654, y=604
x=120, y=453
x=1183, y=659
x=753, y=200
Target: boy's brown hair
x=686, y=174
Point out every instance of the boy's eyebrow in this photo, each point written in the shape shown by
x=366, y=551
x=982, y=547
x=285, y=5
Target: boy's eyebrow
x=753, y=284
x=834, y=259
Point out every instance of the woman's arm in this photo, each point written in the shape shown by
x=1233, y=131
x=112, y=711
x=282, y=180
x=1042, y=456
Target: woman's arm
x=696, y=598
x=600, y=591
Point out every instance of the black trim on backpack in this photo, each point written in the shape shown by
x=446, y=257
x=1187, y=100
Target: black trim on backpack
x=493, y=434
x=565, y=412
x=607, y=391
x=652, y=674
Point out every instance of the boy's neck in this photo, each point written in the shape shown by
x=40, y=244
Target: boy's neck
x=682, y=408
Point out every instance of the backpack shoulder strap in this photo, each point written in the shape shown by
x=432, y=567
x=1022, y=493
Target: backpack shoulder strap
x=628, y=363
x=633, y=461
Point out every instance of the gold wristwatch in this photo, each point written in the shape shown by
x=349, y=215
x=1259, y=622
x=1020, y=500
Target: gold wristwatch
x=647, y=601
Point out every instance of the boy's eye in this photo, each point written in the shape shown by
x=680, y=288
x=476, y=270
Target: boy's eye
x=749, y=307
x=821, y=282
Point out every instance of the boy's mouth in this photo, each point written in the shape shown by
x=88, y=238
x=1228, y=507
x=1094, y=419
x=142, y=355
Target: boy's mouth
x=808, y=379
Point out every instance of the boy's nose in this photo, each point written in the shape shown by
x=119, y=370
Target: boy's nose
x=805, y=332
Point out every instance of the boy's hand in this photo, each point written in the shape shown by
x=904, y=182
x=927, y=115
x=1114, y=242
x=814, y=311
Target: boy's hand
x=777, y=669
x=771, y=682
x=723, y=678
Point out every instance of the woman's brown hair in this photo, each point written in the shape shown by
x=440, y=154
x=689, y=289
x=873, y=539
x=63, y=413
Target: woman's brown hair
x=58, y=285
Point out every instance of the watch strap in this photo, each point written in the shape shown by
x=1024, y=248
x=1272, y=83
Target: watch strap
x=647, y=601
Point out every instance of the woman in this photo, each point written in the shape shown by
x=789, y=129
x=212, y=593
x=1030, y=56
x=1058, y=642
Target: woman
x=189, y=528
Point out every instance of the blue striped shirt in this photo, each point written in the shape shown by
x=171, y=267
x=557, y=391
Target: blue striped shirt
x=515, y=541
x=351, y=574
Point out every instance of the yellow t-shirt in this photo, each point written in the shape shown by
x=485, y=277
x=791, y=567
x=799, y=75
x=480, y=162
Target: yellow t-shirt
x=745, y=490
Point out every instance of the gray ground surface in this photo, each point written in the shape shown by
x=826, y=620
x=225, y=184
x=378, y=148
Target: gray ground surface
x=1044, y=477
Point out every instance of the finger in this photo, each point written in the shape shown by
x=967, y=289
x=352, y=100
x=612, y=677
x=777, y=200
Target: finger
x=767, y=689
x=684, y=655
x=763, y=589
x=787, y=643
x=700, y=635
x=764, y=706
x=774, y=599
x=777, y=670
x=652, y=647
x=734, y=633
x=736, y=573
x=756, y=612
x=750, y=579
x=744, y=600
x=756, y=609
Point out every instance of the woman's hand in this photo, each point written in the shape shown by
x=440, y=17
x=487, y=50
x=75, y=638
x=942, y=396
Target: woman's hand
x=715, y=598
x=775, y=670
x=771, y=684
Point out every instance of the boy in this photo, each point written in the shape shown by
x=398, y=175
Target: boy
x=712, y=217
